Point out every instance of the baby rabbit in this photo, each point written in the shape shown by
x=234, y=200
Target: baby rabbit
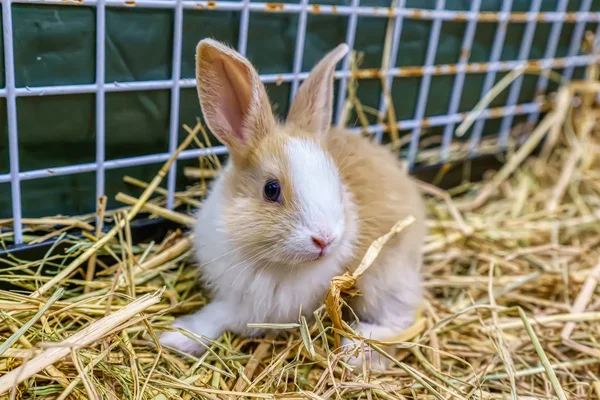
x=298, y=203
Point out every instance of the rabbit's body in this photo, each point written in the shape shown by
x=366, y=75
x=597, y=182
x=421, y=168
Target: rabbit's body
x=298, y=204
x=384, y=194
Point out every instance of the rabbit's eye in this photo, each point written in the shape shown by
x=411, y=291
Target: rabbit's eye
x=272, y=191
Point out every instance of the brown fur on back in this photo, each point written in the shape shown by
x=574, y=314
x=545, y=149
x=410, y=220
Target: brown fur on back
x=383, y=192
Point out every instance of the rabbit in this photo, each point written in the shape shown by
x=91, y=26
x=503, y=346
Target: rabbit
x=298, y=203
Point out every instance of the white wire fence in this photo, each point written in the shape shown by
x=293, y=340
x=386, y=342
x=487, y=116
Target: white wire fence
x=397, y=14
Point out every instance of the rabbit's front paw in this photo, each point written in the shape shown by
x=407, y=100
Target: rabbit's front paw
x=182, y=343
x=359, y=353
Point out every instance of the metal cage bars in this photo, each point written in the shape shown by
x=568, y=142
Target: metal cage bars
x=459, y=80
x=515, y=89
x=490, y=76
x=398, y=13
x=175, y=92
x=434, y=38
x=100, y=97
x=11, y=114
x=367, y=11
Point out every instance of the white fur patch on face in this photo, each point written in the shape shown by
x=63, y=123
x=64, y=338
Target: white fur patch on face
x=317, y=191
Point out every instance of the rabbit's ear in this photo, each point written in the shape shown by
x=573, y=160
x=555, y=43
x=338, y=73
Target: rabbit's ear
x=233, y=99
x=313, y=105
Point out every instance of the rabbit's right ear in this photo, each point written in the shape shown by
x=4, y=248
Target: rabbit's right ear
x=233, y=99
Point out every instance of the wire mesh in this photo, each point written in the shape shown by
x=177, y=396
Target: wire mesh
x=396, y=13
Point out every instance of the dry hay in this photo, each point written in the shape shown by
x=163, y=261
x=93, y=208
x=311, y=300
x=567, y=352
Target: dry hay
x=512, y=308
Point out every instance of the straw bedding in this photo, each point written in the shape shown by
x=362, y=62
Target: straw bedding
x=512, y=305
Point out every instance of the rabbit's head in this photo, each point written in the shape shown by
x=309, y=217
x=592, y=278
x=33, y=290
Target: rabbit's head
x=284, y=200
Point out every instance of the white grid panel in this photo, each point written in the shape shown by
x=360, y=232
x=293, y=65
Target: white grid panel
x=398, y=13
x=576, y=38
x=459, y=80
x=490, y=76
x=174, y=121
x=542, y=82
x=434, y=38
x=299, y=51
x=100, y=97
x=515, y=89
x=11, y=113
x=397, y=31
x=346, y=61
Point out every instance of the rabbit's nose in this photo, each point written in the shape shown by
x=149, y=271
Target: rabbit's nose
x=322, y=241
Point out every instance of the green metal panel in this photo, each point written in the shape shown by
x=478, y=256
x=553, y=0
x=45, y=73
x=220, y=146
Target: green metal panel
x=55, y=45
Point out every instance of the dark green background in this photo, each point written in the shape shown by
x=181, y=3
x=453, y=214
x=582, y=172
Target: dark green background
x=55, y=45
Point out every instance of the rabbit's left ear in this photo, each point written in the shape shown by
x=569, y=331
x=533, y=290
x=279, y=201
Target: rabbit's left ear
x=312, y=107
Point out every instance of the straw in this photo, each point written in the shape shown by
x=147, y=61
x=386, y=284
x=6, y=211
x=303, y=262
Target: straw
x=91, y=267
x=583, y=299
x=14, y=337
x=529, y=234
x=180, y=196
x=542, y=354
x=157, y=210
x=82, y=338
x=113, y=232
x=344, y=283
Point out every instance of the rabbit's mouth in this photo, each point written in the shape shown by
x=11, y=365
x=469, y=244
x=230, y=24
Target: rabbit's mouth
x=303, y=249
x=321, y=253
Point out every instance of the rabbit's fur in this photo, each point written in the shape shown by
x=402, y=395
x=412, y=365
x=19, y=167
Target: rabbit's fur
x=263, y=260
